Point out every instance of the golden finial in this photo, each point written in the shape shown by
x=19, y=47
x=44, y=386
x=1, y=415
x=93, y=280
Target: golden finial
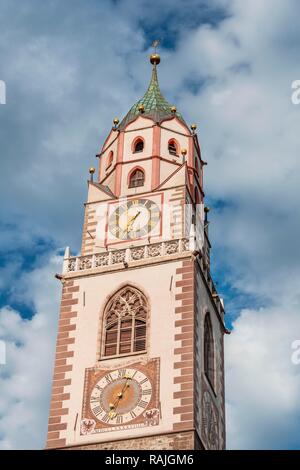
x=183, y=152
x=206, y=211
x=193, y=127
x=155, y=58
x=141, y=108
x=92, y=171
x=173, y=109
x=116, y=122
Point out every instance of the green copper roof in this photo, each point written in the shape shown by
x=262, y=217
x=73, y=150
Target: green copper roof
x=155, y=105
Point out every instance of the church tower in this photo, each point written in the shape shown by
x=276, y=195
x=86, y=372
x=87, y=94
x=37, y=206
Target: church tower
x=139, y=354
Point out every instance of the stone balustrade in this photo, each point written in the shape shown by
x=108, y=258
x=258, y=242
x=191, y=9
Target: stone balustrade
x=115, y=257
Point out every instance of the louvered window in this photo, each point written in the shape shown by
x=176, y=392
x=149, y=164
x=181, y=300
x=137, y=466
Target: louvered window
x=172, y=147
x=137, y=178
x=126, y=323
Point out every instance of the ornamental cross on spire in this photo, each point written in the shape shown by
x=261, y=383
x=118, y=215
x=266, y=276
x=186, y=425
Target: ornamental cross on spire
x=155, y=44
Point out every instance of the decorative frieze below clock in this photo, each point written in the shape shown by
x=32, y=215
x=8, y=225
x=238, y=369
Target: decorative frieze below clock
x=121, y=398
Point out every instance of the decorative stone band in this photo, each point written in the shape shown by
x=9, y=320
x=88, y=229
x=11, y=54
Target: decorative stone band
x=75, y=266
x=137, y=253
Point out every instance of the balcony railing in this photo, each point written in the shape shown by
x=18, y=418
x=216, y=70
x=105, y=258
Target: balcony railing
x=123, y=256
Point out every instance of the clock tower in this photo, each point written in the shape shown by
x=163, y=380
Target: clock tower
x=139, y=353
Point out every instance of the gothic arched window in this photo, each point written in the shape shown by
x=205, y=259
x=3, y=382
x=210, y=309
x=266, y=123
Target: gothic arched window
x=138, y=146
x=209, y=355
x=125, y=323
x=172, y=147
x=137, y=178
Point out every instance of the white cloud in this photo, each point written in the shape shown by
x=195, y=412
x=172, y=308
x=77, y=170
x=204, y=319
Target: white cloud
x=25, y=379
x=263, y=385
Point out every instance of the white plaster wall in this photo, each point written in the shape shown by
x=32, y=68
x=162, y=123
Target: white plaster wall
x=126, y=169
x=162, y=330
x=166, y=135
x=103, y=159
x=139, y=128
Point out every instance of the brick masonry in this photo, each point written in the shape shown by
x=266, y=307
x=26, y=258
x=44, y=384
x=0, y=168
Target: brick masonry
x=63, y=366
x=184, y=364
x=174, y=441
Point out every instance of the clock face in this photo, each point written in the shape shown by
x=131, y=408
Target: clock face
x=120, y=396
x=210, y=422
x=134, y=219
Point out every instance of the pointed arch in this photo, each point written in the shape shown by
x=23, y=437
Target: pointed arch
x=125, y=323
x=209, y=353
x=136, y=177
x=138, y=145
x=173, y=147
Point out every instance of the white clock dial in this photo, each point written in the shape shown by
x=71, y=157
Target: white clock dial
x=121, y=396
x=134, y=219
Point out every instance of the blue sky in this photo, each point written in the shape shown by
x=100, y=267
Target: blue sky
x=70, y=68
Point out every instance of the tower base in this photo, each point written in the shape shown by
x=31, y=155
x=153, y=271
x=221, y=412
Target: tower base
x=185, y=440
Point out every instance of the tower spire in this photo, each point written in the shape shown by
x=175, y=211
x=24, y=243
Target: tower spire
x=152, y=104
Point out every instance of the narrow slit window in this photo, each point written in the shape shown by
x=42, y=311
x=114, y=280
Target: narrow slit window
x=209, y=355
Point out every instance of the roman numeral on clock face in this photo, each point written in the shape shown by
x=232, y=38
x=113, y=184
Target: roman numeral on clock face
x=119, y=419
x=108, y=378
x=147, y=391
x=97, y=410
x=132, y=414
x=144, y=381
x=121, y=373
x=105, y=418
x=142, y=404
x=94, y=399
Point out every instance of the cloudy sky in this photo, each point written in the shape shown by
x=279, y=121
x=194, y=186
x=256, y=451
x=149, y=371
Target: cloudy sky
x=70, y=67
